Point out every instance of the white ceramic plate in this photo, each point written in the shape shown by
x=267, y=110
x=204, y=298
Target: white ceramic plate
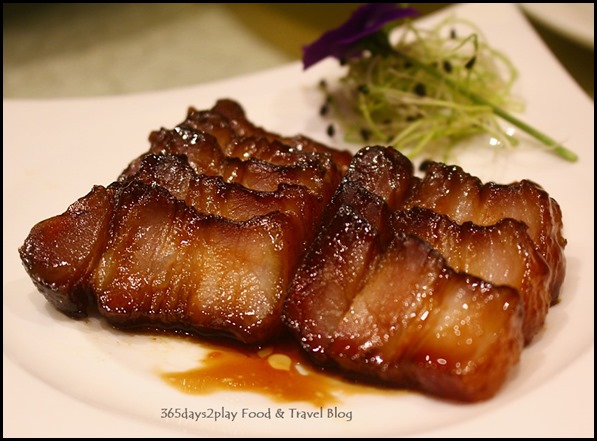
x=573, y=20
x=71, y=378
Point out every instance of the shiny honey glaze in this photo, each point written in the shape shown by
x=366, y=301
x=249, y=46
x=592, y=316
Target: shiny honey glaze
x=278, y=371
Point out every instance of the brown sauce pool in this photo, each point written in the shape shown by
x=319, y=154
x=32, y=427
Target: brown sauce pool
x=279, y=371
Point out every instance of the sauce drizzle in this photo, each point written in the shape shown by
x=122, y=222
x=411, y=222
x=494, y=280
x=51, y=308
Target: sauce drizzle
x=277, y=371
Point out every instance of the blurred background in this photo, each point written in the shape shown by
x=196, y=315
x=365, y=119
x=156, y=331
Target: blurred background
x=73, y=50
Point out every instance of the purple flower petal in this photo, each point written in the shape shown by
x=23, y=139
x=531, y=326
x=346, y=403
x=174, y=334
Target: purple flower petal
x=340, y=42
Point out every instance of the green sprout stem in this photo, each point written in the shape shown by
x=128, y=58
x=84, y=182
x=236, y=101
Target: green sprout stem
x=555, y=146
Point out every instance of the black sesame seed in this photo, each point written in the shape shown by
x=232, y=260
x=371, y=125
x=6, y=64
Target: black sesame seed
x=420, y=89
x=453, y=34
x=323, y=110
x=331, y=130
x=447, y=66
x=365, y=134
x=470, y=63
x=425, y=165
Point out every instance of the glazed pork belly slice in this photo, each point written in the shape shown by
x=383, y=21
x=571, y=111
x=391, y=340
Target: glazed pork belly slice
x=463, y=198
x=394, y=312
x=242, y=147
x=203, y=153
x=148, y=260
x=451, y=191
x=227, y=121
x=213, y=195
x=502, y=253
x=384, y=172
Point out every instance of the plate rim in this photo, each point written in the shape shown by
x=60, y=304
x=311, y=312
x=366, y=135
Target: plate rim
x=547, y=429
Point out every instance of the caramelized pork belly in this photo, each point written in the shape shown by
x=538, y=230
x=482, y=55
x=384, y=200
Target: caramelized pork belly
x=368, y=205
x=202, y=149
x=241, y=147
x=502, y=254
x=149, y=260
x=313, y=171
x=227, y=121
x=61, y=251
x=463, y=198
x=451, y=191
x=213, y=195
x=395, y=312
x=383, y=171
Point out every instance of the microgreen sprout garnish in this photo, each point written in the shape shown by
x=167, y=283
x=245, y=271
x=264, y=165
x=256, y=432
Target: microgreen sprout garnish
x=424, y=91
